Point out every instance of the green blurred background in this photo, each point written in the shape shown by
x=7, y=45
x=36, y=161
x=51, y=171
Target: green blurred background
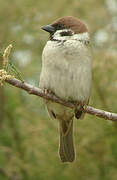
x=28, y=138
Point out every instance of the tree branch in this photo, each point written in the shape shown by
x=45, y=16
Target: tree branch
x=38, y=92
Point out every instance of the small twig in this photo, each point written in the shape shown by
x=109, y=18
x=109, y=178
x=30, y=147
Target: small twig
x=38, y=92
x=12, y=67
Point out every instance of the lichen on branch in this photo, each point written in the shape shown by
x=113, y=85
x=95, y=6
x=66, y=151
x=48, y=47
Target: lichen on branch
x=3, y=72
x=6, y=56
x=8, y=67
x=4, y=76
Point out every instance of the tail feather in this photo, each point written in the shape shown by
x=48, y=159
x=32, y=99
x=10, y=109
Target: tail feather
x=66, y=147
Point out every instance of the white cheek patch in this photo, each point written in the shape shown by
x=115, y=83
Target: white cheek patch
x=80, y=37
x=57, y=34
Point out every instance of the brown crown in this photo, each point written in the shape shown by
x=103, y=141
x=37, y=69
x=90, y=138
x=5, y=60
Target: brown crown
x=73, y=23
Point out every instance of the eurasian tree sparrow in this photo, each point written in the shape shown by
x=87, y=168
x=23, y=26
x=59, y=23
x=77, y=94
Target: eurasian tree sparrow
x=66, y=72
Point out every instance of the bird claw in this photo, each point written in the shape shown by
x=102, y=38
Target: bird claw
x=81, y=105
x=47, y=91
x=79, y=108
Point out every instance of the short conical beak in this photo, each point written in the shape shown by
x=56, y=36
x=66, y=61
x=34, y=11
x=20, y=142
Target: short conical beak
x=49, y=28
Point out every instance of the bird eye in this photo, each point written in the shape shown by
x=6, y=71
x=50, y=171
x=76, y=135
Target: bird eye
x=66, y=33
x=58, y=26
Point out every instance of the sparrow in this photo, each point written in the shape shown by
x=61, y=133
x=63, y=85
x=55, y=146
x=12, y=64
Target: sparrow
x=67, y=73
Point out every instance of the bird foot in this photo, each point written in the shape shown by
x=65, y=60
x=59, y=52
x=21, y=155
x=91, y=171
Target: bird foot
x=80, y=105
x=47, y=91
x=79, y=108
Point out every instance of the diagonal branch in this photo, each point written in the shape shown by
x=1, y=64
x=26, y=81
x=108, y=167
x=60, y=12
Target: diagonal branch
x=38, y=92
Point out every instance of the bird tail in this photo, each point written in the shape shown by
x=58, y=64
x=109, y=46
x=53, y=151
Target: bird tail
x=66, y=146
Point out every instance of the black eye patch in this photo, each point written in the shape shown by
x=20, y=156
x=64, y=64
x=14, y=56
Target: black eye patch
x=66, y=33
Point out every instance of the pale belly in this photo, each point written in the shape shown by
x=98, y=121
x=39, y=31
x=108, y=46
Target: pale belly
x=68, y=82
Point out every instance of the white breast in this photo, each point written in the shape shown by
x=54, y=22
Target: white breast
x=66, y=69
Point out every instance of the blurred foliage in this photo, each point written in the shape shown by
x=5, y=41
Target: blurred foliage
x=28, y=139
